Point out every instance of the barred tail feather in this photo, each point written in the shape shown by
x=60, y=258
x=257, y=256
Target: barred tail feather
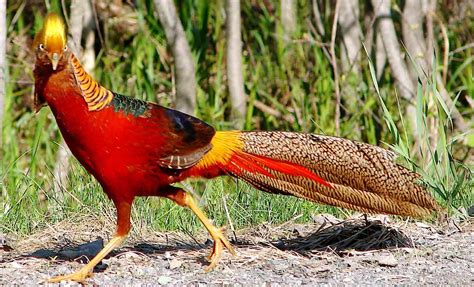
x=330, y=170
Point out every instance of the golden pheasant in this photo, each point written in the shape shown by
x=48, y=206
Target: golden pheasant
x=135, y=148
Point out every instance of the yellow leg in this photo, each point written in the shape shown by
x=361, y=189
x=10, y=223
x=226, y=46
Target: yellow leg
x=184, y=199
x=216, y=233
x=123, y=227
x=86, y=271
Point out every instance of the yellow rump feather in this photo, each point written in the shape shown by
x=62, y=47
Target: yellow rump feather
x=224, y=145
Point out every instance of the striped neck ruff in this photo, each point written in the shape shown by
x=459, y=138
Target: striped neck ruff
x=96, y=96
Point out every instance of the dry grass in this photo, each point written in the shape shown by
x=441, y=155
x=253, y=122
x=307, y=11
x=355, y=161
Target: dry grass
x=325, y=251
x=326, y=234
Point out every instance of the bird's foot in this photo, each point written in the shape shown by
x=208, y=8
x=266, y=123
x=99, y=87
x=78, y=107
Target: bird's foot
x=79, y=276
x=220, y=241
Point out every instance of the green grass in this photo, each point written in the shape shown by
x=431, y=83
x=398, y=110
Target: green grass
x=292, y=78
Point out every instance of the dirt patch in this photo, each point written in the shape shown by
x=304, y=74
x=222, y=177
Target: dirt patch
x=351, y=252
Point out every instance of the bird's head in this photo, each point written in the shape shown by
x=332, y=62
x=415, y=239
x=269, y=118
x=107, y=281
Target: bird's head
x=50, y=42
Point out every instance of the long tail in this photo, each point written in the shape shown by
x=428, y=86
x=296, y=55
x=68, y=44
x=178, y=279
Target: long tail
x=322, y=169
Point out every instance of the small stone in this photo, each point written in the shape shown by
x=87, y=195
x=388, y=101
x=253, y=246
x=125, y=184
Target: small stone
x=408, y=250
x=3, y=239
x=16, y=265
x=382, y=218
x=3, y=243
x=325, y=218
x=130, y=255
x=470, y=211
x=163, y=280
x=422, y=225
x=387, y=260
x=175, y=263
x=298, y=231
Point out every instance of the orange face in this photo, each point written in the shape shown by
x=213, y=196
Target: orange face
x=50, y=42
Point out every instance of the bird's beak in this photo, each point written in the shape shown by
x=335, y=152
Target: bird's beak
x=54, y=61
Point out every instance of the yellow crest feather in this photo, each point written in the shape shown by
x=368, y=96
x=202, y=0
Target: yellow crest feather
x=53, y=34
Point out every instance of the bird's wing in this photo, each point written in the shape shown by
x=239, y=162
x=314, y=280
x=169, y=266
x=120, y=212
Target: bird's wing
x=189, y=139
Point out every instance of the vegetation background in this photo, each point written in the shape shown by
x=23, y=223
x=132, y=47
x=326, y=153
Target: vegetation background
x=393, y=73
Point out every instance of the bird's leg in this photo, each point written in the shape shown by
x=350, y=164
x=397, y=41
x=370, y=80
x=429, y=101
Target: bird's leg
x=123, y=227
x=220, y=241
x=86, y=271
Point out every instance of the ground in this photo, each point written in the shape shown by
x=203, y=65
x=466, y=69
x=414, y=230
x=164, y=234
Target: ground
x=326, y=252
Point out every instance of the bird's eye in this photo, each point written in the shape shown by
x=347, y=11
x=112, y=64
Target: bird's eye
x=65, y=48
x=41, y=47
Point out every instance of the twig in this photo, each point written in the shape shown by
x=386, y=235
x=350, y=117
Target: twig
x=96, y=21
x=334, y=66
x=323, y=45
x=455, y=114
x=444, y=33
x=229, y=219
x=15, y=17
x=317, y=18
x=462, y=48
x=271, y=111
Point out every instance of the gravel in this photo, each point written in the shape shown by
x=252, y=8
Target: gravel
x=288, y=254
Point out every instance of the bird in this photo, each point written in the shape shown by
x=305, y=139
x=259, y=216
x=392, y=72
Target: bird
x=136, y=148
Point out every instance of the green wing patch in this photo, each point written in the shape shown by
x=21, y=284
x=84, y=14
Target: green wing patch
x=129, y=105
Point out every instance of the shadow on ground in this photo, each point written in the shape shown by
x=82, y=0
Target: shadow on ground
x=348, y=235
x=338, y=237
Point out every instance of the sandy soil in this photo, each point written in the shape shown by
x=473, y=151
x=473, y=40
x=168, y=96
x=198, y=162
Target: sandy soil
x=328, y=252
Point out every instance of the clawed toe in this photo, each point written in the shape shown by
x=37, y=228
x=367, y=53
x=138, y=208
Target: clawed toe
x=220, y=241
x=79, y=277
